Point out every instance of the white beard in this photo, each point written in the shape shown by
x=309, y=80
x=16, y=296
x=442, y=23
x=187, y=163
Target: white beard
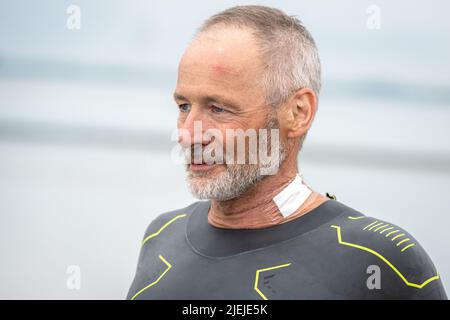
x=235, y=180
x=228, y=184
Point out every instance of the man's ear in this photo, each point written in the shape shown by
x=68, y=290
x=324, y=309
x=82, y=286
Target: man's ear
x=300, y=109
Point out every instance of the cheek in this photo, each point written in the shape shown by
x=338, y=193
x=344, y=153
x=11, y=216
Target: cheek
x=215, y=135
x=181, y=118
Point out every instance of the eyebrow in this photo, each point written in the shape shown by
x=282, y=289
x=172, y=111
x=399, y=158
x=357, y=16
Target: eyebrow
x=178, y=96
x=209, y=99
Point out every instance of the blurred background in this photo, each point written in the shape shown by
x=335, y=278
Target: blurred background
x=86, y=117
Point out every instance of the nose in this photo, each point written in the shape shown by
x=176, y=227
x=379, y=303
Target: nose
x=191, y=129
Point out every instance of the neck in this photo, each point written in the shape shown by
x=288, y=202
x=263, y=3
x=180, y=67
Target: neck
x=256, y=209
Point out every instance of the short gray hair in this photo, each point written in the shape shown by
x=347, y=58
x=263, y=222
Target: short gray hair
x=290, y=53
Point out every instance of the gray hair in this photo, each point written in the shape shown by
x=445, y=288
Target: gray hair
x=288, y=49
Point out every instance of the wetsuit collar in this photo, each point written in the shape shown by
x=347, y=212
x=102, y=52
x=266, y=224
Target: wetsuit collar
x=215, y=242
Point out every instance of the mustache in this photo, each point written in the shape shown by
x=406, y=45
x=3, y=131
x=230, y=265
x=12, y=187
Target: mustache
x=195, y=153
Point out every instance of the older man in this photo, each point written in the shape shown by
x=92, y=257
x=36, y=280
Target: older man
x=264, y=234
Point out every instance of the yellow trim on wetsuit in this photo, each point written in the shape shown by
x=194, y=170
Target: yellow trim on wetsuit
x=398, y=236
x=411, y=284
x=370, y=224
x=383, y=226
x=386, y=229
x=408, y=246
x=263, y=270
x=356, y=218
x=162, y=228
x=404, y=240
x=395, y=231
x=169, y=266
x=375, y=225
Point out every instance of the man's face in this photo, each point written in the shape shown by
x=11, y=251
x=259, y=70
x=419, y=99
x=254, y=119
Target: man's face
x=219, y=88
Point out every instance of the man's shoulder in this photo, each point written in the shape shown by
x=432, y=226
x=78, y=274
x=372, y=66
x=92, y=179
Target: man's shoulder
x=172, y=218
x=393, y=246
x=363, y=231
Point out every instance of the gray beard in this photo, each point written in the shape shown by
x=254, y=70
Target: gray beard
x=234, y=181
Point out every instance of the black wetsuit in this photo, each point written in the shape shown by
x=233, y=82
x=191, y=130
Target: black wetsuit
x=332, y=252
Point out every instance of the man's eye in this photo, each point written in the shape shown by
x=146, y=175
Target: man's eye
x=184, y=107
x=216, y=109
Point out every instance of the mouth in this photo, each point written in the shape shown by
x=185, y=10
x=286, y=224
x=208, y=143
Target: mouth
x=202, y=167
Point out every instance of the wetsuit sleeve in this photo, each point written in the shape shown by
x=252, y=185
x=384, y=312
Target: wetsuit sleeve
x=424, y=280
x=406, y=269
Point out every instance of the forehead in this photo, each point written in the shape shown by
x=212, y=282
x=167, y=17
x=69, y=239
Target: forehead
x=225, y=59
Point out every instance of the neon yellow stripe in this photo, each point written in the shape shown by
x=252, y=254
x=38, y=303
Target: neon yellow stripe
x=408, y=246
x=370, y=224
x=157, y=280
x=263, y=270
x=356, y=218
x=376, y=225
x=384, y=226
x=381, y=232
x=162, y=228
x=395, y=231
x=398, y=236
x=410, y=284
x=403, y=241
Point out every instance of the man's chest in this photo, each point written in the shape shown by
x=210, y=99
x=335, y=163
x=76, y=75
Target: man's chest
x=280, y=272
